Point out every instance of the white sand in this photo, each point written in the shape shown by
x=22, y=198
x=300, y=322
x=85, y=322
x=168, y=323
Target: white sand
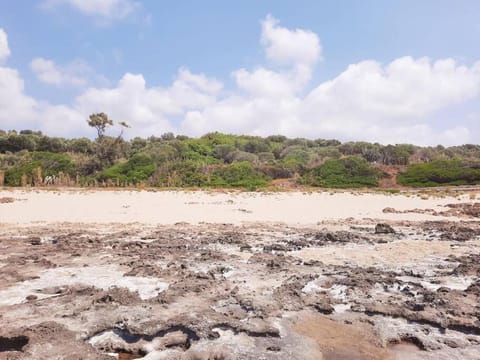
x=168, y=207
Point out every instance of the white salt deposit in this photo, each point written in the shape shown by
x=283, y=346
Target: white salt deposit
x=103, y=277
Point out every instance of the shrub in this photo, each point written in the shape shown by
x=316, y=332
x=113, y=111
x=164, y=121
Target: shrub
x=440, y=173
x=50, y=163
x=240, y=174
x=180, y=174
x=349, y=172
x=137, y=169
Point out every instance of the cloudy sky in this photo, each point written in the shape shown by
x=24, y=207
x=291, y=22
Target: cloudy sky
x=386, y=71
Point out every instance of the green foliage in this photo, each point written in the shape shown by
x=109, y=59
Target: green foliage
x=50, y=163
x=186, y=173
x=440, y=173
x=100, y=122
x=137, y=169
x=266, y=157
x=349, y=172
x=14, y=143
x=223, y=152
x=108, y=149
x=80, y=146
x=240, y=174
x=217, y=159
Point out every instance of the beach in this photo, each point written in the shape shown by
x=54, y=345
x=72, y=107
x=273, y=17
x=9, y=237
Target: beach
x=235, y=207
x=109, y=274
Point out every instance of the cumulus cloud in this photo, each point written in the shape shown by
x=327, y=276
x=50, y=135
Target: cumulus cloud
x=48, y=72
x=394, y=102
x=20, y=111
x=149, y=108
x=286, y=47
x=399, y=101
x=4, y=49
x=296, y=50
x=105, y=9
x=17, y=108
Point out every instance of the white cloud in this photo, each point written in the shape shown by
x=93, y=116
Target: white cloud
x=296, y=50
x=4, y=49
x=74, y=74
x=20, y=111
x=17, y=108
x=104, y=9
x=266, y=83
x=395, y=102
x=406, y=87
x=372, y=101
x=148, y=109
x=287, y=47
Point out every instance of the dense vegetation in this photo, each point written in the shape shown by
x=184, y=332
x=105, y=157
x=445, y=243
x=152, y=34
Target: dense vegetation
x=349, y=172
x=440, y=172
x=221, y=160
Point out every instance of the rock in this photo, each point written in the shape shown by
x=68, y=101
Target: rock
x=176, y=338
x=418, y=307
x=35, y=240
x=274, y=348
x=31, y=297
x=383, y=228
x=245, y=247
x=274, y=247
x=324, y=308
x=312, y=263
x=459, y=233
x=323, y=305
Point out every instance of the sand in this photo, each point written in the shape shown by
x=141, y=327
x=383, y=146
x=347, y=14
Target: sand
x=169, y=207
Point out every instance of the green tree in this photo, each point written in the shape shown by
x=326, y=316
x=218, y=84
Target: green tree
x=99, y=122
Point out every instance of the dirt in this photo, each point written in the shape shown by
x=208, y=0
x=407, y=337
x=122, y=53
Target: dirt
x=338, y=290
x=341, y=341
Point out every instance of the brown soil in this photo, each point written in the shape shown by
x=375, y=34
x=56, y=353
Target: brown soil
x=339, y=341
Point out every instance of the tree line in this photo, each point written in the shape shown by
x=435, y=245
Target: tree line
x=215, y=159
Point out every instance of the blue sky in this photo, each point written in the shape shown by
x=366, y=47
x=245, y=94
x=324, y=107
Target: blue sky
x=237, y=76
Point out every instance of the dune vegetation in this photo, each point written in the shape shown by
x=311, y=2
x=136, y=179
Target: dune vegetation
x=223, y=160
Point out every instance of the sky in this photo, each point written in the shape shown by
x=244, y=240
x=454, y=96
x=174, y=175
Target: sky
x=398, y=71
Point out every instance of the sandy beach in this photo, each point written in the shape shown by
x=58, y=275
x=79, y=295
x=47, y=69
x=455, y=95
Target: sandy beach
x=170, y=207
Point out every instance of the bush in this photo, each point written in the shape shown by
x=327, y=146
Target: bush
x=50, y=163
x=137, y=169
x=350, y=172
x=440, y=173
x=180, y=174
x=240, y=174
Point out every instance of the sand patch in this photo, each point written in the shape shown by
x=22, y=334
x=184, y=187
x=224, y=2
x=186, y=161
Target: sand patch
x=340, y=341
x=391, y=254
